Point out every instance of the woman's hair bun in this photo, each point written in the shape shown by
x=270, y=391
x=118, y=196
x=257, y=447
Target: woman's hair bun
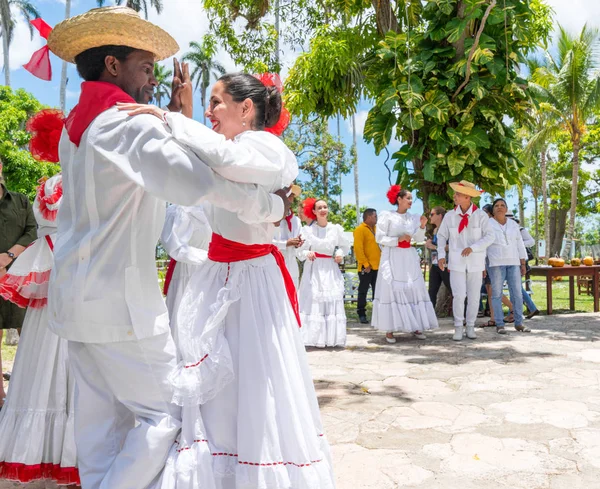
x=273, y=105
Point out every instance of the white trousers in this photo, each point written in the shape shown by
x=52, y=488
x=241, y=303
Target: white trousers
x=125, y=422
x=465, y=285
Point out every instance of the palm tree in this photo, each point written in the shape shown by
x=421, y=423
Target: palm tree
x=162, y=75
x=138, y=5
x=8, y=23
x=204, y=66
x=574, y=94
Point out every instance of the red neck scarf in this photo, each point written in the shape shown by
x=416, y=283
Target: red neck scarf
x=95, y=98
x=464, y=218
x=169, y=275
x=288, y=218
x=223, y=250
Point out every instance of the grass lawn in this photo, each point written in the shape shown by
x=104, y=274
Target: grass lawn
x=8, y=352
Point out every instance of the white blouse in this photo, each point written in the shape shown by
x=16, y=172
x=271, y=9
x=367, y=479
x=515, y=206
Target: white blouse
x=186, y=234
x=392, y=225
x=508, y=247
x=328, y=240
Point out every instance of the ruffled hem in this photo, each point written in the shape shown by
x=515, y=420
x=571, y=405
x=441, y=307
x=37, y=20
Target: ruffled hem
x=407, y=318
x=322, y=331
x=26, y=291
x=29, y=473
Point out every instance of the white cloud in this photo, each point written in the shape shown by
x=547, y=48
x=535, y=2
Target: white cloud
x=361, y=118
x=573, y=14
x=22, y=46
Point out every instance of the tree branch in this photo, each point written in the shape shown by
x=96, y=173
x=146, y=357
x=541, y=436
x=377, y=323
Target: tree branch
x=473, y=48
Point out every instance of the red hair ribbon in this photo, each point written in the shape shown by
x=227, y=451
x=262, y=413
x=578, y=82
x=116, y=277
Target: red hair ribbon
x=308, y=207
x=273, y=80
x=392, y=194
x=39, y=64
x=46, y=128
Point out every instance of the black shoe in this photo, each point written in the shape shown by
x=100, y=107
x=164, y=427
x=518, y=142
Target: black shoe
x=363, y=319
x=6, y=376
x=532, y=314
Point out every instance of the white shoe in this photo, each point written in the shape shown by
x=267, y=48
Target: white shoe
x=458, y=333
x=419, y=335
x=391, y=340
x=471, y=333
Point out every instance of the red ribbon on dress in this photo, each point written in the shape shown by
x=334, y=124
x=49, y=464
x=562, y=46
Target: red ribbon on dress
x=464, y=218
x=320, y=255
x=169, y=275
x=50, y=243
x=288, y=218
x=223, y=250
x=95, y=98
x=403, y=244
x=39, y=64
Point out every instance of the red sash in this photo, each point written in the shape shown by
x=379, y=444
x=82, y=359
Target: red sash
x=169, y=276
x=49, y=241
x=321, y=255
x=225, y=251
x=403, y=244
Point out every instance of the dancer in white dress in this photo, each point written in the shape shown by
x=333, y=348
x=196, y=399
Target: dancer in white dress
x=36, y=423
x=185, y=237
x=401, y=302
x=321, y=294
x=243, y=362
x=287, y=238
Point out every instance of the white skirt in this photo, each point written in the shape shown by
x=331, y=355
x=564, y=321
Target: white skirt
x=250, y=414
x=321, y=299
x=401, y=302
x=36, y=423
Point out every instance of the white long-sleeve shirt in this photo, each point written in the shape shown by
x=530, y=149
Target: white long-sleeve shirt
x=393, y=225
x=478, y=235
x=329, y=240
x=508, y=247
x=282, y=234
x=104, y=285
x=186, y=234
x=528, y=240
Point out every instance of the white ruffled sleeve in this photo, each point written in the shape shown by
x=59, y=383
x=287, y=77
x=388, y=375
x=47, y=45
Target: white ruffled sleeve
x=381, y=232
x=419, y=234
x=179, y=232
x=343, y=244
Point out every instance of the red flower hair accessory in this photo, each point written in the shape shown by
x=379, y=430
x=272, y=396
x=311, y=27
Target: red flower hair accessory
x=308, y=207
x=392, y=194
x=46, y=128
x=273, y=80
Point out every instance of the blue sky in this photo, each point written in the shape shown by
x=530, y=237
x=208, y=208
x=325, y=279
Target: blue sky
x=186, y=21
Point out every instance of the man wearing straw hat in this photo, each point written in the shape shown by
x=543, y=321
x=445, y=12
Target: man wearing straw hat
x=287, y=237
x=467, y=231
x=104, y=296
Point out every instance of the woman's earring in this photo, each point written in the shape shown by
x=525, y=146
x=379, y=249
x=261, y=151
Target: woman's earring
x=243, y=123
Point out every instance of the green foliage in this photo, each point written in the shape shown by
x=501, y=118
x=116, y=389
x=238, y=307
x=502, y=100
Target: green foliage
x=138, y=5
x=322, y=159
x=346, y=216
x=21, y=171
x=163, y=85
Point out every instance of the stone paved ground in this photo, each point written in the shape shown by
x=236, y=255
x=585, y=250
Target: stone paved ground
x=519, y=411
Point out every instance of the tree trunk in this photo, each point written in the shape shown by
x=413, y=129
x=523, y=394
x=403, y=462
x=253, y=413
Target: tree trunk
x=544, y=159
x=63, y=73
x=326, y=179
x=385, y=17
x=5, y=48
x=355, y=170
x=459, y=46
x=573, y=209
x=558, y=224
x=277, y=44
x=203, y=95
x=339, y=135
x=536, y=218
x=521, y=204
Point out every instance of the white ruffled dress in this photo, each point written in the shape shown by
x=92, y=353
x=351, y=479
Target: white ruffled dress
x=36, y=423
x=250, y=414
x=401, y=302
x=321, y=294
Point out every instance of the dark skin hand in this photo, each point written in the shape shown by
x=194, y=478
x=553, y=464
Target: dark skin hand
x=182, y=92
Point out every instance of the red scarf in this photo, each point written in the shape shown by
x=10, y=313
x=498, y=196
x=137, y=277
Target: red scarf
x=95, y=98
x=223, y=250
x=169, y=275
x=464, y=218
x=288, y=218
x=321, y=255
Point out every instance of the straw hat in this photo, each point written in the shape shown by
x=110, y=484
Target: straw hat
x=467, y=188
x=296, y=190
x=120, y=26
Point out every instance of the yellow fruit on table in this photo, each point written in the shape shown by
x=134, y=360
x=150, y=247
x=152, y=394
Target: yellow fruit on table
x=588, y=260
x=576, y=262
x=558, y=262
x=551, y=261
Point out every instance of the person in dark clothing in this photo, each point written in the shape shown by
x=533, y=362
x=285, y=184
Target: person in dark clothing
x=437, y=277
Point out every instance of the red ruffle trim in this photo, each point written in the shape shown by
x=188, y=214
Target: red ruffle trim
x=11, y=286
x=28, y=473
x=44, y=202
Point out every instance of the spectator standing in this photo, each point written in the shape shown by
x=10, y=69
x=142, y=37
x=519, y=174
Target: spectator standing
x=18, y=229
x=367, y=254
x=437, y=277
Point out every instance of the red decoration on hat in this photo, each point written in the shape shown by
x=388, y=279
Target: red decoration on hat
x=308, y=207
x=46, y=128
x=392, y=194
x=273, y=80
x=39, y=64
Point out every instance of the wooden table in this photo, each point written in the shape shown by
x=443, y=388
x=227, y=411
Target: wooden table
x=571, y=272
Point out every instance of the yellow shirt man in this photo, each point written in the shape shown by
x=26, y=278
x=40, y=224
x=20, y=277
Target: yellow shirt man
x=367, y=254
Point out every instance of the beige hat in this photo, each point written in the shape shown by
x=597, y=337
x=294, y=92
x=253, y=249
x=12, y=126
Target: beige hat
x=120, y=26
x=296, y=190
x=467, y=188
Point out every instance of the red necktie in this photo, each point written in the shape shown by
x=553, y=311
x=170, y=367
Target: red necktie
x=464, y=219
x=288, y=218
